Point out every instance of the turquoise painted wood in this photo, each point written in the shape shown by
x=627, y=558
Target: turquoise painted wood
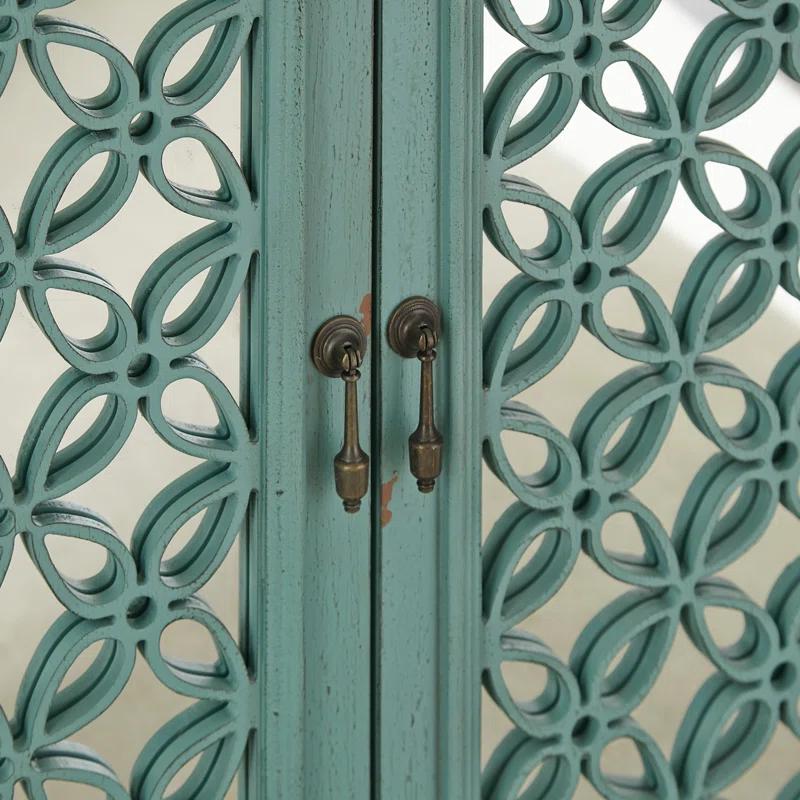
x=287, y=234
x=338, y=43
x=370, y=161
x=591, y=701
x=427, y=547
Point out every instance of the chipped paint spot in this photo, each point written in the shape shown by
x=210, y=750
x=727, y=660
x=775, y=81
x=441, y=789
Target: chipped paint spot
x=387, y=490
x=365, y=309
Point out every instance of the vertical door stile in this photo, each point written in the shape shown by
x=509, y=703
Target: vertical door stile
x=307, y=620
x=426, y=555
x=338, y=41
x=273, y=147
x=461, y=40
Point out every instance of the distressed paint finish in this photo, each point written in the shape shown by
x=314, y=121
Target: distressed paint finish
x=338, y=259
x=281, y=232
x=427, y=547
x=589, y=480
x=274, y=100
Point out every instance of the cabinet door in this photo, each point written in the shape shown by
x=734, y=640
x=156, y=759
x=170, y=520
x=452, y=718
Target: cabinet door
x=186, y=197
x=632, y=628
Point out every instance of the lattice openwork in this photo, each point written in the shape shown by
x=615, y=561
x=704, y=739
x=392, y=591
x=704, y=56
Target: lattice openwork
x=591, y=473
x=130, y=364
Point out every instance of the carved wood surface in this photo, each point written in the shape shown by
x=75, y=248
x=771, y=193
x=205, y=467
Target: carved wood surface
x=130, y=363
x=590, y=476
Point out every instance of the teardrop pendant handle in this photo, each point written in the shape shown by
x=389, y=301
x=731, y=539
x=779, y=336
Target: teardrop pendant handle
x=414, y=331
x=338, y=351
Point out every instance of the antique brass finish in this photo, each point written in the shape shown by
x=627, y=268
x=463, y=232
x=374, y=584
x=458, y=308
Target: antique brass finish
x=414, y=331
x=338, y=350
x=332, y=341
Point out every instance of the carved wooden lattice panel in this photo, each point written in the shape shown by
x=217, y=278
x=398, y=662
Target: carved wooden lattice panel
x=591, y=474
x=119, y=614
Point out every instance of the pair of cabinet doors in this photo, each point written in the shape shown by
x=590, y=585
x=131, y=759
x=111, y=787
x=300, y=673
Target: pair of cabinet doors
x=192, y=190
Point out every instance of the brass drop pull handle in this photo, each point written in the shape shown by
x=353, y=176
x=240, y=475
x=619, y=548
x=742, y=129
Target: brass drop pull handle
x=338, y=350
x=414, y=330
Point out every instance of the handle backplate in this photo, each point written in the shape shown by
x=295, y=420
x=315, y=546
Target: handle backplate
x=332, y=341
x=406, y=322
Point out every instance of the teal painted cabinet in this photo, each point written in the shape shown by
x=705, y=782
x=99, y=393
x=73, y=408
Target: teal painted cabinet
x=192, y=190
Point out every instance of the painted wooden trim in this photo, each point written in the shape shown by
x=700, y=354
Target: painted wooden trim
x=427, y=549
x=272, y=600
x=338, y=36
x=461, y=291
x=307, y=585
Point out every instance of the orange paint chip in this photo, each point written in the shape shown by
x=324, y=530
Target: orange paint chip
x=387, y=490
x=365, y=309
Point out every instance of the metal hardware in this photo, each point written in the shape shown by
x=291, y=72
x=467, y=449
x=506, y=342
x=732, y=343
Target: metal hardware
x=338, y=350
x=414, y=331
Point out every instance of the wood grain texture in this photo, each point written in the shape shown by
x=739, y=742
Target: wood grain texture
x=309, y=577
x=460, y=268
x=426, y=556
x=273, y=603
x=338, y=37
